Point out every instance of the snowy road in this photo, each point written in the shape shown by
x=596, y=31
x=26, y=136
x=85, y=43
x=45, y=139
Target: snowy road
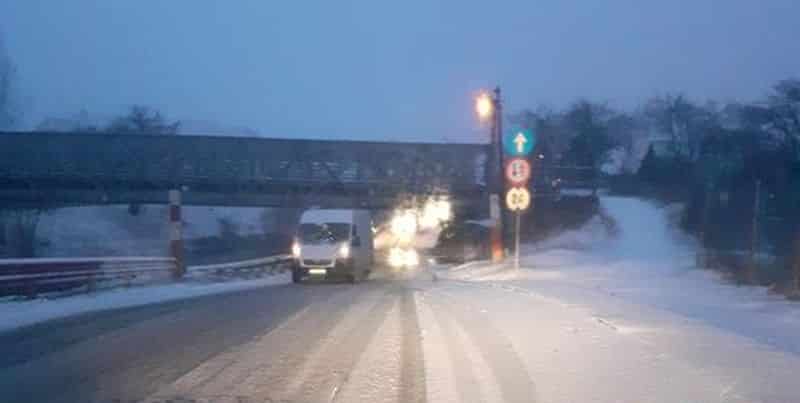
x=387, y=341
x=577, y=324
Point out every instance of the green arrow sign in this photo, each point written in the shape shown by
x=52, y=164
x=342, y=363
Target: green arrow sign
x=519, y=142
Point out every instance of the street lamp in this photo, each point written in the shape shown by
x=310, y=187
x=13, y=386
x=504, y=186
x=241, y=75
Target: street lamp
x=489, y=107
x=484, y=105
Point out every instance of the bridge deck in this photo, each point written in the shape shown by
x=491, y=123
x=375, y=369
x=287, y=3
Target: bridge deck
x=81, y=168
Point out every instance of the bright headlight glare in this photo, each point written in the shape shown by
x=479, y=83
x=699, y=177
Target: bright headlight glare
x=399, y=257
x=412, y=258
x=396, y=257
x=404, y=225
x=296, y=249
x=344, y=251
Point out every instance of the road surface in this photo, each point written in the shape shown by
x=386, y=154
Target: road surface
x=385, y=340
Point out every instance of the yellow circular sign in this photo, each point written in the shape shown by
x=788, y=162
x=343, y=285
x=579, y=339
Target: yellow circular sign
x=518, y=199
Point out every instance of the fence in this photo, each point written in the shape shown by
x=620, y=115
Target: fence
x=30, y=277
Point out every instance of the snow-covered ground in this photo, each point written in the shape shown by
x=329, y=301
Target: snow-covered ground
x=113, y=231
x=14, y=314
x=642, y=259
x=620, y=305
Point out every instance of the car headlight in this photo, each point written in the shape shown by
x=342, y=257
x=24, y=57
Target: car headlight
x=296, y=249
x=403, y=258
x=412, y=258
x=396, y=257
x=344, y=251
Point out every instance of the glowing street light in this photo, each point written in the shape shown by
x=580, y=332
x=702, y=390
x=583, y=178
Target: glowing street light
x=484, y=106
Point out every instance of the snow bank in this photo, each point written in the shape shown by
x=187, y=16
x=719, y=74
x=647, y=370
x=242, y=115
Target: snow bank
x=642, y=260
x=591, y=235
x=17, y=314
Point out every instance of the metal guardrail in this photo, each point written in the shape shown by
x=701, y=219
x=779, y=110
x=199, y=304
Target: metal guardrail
x=30, y=277
x=33, y=276
x=254, y=265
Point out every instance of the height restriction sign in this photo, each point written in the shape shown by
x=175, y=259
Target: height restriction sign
x=518, y=171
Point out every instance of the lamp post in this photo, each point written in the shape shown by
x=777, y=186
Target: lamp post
x=489, y=107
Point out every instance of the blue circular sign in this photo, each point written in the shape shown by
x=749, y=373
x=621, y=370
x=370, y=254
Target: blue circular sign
x=519, y=142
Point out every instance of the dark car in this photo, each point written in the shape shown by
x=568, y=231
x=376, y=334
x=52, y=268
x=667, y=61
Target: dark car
x=461, y=242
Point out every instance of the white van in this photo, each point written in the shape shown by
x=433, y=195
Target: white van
x=333, y=243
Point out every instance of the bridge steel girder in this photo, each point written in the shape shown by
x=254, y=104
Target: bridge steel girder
x=56, y=198
x=108, y=168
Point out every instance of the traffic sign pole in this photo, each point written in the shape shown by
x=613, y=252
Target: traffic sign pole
x=516, y=242
x=517, y=145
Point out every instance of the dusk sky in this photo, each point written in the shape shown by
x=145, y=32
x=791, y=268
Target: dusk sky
x=387, y=70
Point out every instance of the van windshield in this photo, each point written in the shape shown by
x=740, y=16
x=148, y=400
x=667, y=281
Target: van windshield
x=311, y=233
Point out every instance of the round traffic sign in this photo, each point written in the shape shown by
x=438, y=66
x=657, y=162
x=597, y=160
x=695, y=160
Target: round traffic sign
x=518, y=199
x=518, y=171
x=519, y=142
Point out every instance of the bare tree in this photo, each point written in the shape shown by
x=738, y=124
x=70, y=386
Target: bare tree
x=621, y=130
x=18, y=225
x=671, y=114
x=589, y=121
x=10, y=113
x=143, y=120
x=784, y=107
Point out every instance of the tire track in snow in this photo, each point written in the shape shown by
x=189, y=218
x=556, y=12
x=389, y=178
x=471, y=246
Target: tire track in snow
x=440, y=381
x=461, y=383
x=267, y=362
x=507, y=369
x=328, y=369
x=412, y=375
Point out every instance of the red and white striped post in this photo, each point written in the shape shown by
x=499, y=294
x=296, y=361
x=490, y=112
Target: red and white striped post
x=175, y=232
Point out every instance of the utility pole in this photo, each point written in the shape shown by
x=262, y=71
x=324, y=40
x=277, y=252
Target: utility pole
x=796, y=265
x=754, y=234
x=704, y=223
x=498, y=251
x=490, y=107
x=504, y=228
x=176, y=233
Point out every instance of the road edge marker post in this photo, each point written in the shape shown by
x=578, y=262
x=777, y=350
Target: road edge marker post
x=176, y=233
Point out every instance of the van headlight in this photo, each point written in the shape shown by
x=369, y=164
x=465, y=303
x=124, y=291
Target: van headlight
x=296, y=250
x=344, y=251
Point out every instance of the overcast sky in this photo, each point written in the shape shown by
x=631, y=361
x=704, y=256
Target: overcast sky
x=371, y=69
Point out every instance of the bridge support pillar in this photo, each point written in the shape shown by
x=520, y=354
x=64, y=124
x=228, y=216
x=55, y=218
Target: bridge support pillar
x=176, y=233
